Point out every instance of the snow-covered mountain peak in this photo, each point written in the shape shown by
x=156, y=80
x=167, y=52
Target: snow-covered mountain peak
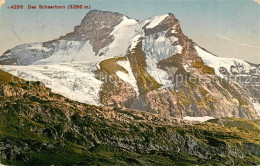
x=155, y=21
x=107, y=34
x=144, y=58
x=101, y=19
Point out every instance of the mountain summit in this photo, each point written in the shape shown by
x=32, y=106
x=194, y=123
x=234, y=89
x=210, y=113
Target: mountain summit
x=154, y=67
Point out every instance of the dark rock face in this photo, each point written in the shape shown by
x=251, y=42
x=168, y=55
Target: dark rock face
x=252, y=148
x=118, y=95
x=96, y=27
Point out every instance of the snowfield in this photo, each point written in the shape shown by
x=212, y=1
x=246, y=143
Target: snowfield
x=129, y=78
x=69, y=51
x=198, y=119
x=257, y=108
x=121, y=43
x=217, y=62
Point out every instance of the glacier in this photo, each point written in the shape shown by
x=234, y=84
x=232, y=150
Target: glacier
x=73, y=80
x=157, y=47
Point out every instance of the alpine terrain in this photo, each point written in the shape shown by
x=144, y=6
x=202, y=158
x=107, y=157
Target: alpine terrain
x=121, y=91
x=114, y=61
x=38, y=127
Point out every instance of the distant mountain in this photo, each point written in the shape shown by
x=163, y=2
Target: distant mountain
x=38, y=127
x=156, y=67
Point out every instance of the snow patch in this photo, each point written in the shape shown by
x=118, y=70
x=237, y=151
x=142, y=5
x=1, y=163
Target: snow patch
x=173, y=31
x=70, y=51
x=129, y=78
x=38, y=46
x=156, y=21
x=174, y=39
x=187, y=67
x=158, y=74
x=198, y=119
x=123, y=34
x=257, y=107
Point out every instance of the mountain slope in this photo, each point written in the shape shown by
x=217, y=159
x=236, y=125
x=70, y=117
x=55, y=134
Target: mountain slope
x=117, y=62
x=40, y=127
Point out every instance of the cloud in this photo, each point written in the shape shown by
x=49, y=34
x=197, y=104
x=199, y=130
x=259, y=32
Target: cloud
x=257, y=1
x=2, y=2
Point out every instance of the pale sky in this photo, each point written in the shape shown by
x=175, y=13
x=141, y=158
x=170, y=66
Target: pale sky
x=227, y=28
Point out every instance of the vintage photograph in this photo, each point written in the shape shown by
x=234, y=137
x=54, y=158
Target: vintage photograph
x=120, y=82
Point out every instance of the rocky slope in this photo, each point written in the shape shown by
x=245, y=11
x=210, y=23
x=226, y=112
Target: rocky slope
x=38, y=127
x=118, y=62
